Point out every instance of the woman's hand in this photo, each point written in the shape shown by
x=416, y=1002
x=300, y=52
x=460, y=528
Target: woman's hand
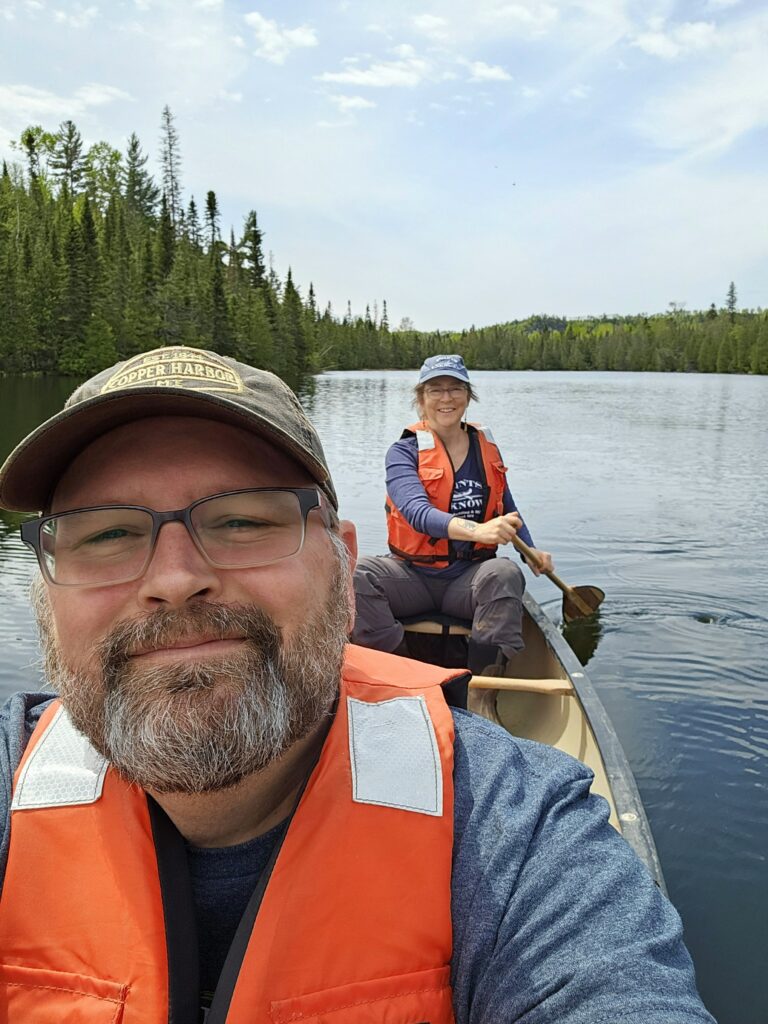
x=543, y=562
x=499, y=530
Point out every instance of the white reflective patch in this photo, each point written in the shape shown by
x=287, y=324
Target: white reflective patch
x=425, y=439
x=62, y=770
x=394, y=755
x=486, y=431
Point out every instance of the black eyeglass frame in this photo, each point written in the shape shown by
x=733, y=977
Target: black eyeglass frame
x=310, y=498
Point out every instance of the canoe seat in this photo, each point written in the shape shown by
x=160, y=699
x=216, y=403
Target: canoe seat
x=445, y=637
x=436, y=624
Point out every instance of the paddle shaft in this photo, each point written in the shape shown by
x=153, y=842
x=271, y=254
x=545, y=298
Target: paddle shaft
x=530, y=554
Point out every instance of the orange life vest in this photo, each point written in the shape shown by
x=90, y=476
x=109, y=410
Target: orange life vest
x=354, y=925
x=437, y=475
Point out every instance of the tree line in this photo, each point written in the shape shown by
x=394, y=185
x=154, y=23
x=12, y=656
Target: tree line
x=100, y=261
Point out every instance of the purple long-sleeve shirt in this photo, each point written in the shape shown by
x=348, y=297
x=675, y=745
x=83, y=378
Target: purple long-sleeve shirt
x=407, y=492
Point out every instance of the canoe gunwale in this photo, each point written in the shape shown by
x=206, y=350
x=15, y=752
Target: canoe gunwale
x=636, y=830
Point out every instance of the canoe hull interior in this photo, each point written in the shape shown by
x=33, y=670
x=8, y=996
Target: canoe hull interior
x=546, y=696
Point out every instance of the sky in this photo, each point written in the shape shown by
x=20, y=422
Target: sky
x=468, y=161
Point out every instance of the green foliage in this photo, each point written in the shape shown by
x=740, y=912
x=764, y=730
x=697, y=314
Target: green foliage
x=97, y=264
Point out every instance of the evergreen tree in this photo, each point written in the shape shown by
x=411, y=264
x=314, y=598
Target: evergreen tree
x=165, y=242
x=192, y=225
x=170, y=161
x=141, y=193
x=251, y=248
x=67, y=161
x=730, y=301
x=212, y=220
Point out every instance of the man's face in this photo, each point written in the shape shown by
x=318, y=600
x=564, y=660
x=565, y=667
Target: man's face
x=192, y=677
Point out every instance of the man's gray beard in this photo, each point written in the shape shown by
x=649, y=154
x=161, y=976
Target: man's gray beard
x=200, y=728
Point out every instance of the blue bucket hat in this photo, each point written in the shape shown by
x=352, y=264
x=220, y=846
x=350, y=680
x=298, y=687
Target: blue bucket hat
x=443, y=366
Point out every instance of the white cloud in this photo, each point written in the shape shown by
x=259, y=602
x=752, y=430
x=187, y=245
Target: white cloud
x=677, y=41
x=208, y=5
x=530, y=92
x=710, y=111
x=274, y=42
x=79, y=17
x=578, y=92
x=531, y=17
x=21, y=105
x=347, y=104
x=432, y=26
x=482, y=72
x=231, y=97
x=95, y=95
x=407, y=72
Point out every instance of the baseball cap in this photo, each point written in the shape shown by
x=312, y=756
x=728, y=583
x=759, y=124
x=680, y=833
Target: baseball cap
x=443, y=366
x=173, y=381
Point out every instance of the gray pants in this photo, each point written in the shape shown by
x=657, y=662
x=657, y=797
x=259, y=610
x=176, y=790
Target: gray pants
x=488, y=593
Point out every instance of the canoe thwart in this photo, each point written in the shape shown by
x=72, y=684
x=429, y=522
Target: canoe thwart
x=553, y=687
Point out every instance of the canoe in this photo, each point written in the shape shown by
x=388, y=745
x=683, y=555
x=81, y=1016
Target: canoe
x=545, y=695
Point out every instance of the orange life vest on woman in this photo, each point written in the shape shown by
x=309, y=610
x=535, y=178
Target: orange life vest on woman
x=353, y=927
x=437, y=475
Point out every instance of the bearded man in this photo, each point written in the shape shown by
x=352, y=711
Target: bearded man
x=231, y=814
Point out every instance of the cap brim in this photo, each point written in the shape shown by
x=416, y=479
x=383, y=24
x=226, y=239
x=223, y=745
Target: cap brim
x=444, y=373
x=32, y=470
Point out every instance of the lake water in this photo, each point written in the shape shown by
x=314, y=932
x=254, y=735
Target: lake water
x=655, y=488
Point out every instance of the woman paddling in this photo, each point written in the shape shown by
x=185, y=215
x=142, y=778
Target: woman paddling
x=448, y=508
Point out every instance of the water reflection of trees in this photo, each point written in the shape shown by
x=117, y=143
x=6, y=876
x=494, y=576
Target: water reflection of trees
x=583, y=636
x=11, y=548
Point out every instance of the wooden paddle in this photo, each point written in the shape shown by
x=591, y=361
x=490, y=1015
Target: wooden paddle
x=578, y=602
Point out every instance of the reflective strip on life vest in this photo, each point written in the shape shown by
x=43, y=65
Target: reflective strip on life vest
x=394, y=755
x=62, y=770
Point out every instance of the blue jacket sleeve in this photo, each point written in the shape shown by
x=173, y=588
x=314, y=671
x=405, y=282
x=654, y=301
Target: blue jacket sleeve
x=555, y=917
x=18, y=718
x=407, y=491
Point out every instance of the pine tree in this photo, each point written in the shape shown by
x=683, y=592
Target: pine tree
x=192, y=224
x=221, y=335
x=730, y=301
x=293, y=322
x=212, y=220
x=251, y=247
x=165, y=242
x=67, y=161
x=141, y=193
x=170, y=161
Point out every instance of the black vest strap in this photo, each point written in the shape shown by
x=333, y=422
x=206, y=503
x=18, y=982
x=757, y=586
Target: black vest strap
x=179, y=914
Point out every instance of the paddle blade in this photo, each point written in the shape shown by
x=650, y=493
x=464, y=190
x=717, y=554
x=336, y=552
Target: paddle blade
x=581, y=602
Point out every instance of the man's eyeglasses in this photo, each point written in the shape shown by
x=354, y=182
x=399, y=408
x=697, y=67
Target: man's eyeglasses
x=92, y=547
x=455, y=391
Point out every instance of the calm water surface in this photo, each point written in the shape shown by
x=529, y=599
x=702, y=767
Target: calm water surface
x=655, y=488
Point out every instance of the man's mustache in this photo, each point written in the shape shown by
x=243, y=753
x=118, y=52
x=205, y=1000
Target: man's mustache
x=197, y=623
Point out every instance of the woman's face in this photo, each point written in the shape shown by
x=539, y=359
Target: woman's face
x=444, y=402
